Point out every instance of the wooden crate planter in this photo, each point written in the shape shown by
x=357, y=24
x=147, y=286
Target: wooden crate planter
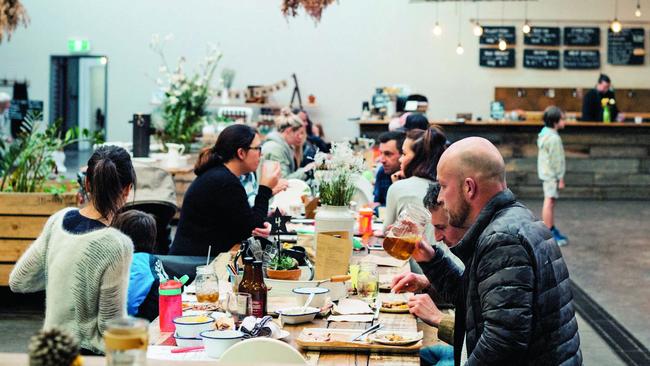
x=22, y=217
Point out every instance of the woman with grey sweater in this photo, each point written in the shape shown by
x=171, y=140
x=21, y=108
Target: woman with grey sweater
x=79, y=260
x=284, y=145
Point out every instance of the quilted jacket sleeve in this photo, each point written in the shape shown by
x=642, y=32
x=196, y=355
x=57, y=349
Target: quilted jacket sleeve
x=505, y=288
x=444, y=274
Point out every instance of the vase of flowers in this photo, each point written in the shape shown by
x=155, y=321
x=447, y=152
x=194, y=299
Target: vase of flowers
x=184, y=96
x=607, y=103
x=335, y=182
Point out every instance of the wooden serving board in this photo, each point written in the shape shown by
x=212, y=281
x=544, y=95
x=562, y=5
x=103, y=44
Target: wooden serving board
x=339, y=342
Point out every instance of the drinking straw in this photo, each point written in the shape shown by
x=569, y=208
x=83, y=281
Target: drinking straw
x=207, y=261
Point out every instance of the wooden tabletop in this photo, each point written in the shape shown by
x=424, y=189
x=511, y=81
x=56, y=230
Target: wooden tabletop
x=391, y=322
x=405, y=322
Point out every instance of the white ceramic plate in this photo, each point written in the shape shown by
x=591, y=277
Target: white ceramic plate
x=408, y=338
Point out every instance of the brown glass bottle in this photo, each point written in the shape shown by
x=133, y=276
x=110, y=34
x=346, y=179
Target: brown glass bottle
x=247, y=279
x=258, y=291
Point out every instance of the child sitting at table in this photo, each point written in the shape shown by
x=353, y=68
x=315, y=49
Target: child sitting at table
x=146, y=270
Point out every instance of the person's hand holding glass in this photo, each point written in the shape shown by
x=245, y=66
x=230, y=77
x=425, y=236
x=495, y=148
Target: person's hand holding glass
x=405, y=234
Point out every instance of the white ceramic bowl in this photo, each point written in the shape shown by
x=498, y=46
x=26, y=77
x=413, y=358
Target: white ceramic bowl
x=216, y=342
x=187, y=342
x=295, y=315
x=321, y=295
x=192, y=326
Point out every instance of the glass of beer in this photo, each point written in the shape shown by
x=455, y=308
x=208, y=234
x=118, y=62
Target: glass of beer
x=406, y=232
x=126, y=342
x=207, y=284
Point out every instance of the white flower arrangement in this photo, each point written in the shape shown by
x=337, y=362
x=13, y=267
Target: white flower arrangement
x=185, y=97
x=334, y=174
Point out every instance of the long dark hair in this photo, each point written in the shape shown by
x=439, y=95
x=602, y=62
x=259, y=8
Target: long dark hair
x=230, y=140
x=109, y=172
x=427, y=147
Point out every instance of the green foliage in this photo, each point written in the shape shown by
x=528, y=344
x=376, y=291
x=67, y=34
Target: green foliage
x=27, y=164
x=337, y=191
x=283, y=262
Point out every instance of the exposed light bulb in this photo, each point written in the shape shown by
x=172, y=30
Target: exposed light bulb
x=637, y=12
x=478, y=30
x=460, y=50
x=437, y=29
x=526, y=28
x=616, y=26
x=502, y=44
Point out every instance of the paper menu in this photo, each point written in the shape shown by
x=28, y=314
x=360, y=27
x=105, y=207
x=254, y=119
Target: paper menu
x=333, y=252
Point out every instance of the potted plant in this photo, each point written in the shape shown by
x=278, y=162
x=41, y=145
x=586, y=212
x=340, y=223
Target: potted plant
x=283, y=267
x=29, y=190
x=335, y=174
x=185, y=97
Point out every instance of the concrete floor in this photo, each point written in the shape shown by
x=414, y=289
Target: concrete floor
x=608, y=257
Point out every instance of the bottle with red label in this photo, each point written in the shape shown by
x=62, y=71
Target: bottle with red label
x=258, y=290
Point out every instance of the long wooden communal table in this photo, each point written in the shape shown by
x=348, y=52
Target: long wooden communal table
x=405, y=322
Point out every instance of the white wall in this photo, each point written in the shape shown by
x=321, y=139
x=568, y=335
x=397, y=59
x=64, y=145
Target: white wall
x=358, y=45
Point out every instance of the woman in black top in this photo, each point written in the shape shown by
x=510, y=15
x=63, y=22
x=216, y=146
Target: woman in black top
x=215, y=208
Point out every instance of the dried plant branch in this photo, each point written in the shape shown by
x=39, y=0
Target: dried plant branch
x=12, y=14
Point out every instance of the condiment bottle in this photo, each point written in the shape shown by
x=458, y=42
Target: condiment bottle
x=258, y=291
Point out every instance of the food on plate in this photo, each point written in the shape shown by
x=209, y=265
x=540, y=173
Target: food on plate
x=198, y=306
x=395, y=305
x=392, y=337
x=225, y=323
x=193, y=319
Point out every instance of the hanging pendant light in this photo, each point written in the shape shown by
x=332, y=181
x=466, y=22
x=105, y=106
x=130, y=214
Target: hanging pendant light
x=637, y=12
x=503, y=45
x=437, y=29
x=616, y=26
x=459, y=49
x=477, y=29
x=526, y=28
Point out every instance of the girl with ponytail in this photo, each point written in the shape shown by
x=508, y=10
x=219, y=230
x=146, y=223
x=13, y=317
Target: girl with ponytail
x=79, y=260
x=420, y=154
x=215, y=208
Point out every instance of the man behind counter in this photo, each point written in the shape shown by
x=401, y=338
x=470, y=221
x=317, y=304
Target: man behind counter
x=592, y=108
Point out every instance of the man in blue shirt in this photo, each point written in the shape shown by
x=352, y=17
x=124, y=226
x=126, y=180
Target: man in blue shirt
x=390, y=147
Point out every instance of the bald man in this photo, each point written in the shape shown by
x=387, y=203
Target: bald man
x=513, y=301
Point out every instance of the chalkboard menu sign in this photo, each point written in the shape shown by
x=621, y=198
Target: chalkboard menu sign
x=581, y=36
x=581, y=59
x=542, y=59
x=492, y=35
x=626, y=47
x=543, y=36
x=491, y=57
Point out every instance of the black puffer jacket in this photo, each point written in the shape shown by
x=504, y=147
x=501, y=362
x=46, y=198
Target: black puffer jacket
x=513, y=301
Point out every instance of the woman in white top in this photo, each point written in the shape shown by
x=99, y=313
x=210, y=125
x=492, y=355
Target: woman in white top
x=79, y=260
x=420, y=154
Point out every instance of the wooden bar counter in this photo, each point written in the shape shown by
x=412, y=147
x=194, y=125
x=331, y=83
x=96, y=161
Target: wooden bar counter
x=603, y=160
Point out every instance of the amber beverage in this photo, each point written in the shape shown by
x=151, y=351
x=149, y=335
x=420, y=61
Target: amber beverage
x=247, y=279
x=207, y=297
x=401, y=247
x=258, y=291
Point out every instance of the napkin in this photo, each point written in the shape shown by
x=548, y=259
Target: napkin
x=383, y=261
x=351, y=318
x=259, y=327
x=351, y=306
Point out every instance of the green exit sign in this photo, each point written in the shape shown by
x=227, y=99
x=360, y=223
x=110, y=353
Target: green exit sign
x=78, y=45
